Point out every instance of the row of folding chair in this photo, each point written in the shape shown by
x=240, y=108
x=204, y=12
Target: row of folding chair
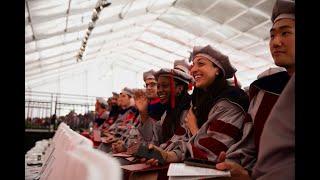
x=56, y=141
x=62, y=129
x=71, y=156
x=84, y=163
x=63, y=140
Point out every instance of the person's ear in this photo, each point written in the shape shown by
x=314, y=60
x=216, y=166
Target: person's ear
x=179, y=89
x=218, y=72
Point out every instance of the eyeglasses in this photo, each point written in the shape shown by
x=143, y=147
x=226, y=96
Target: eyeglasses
x=151, y=85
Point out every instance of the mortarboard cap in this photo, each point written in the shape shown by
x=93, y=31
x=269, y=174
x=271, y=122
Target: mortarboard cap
x=216, y=57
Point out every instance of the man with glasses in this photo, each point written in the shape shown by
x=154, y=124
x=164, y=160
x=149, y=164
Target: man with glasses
x=154, y=108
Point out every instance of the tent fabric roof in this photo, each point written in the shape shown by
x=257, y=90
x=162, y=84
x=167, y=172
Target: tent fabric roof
x=150, y=34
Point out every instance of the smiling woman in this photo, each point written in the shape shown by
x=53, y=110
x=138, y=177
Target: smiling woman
x=217, y=107
x=172, y=89
x=164, y=89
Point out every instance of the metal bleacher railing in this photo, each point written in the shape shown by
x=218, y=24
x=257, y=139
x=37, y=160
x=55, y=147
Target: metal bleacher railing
x=45, y=110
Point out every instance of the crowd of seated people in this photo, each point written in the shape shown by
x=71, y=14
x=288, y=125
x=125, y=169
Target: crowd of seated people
x=216, y=121
x=37, y=122
x=76, y=121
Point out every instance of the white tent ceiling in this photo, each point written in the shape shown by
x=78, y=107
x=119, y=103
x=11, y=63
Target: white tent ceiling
x=150, y=34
